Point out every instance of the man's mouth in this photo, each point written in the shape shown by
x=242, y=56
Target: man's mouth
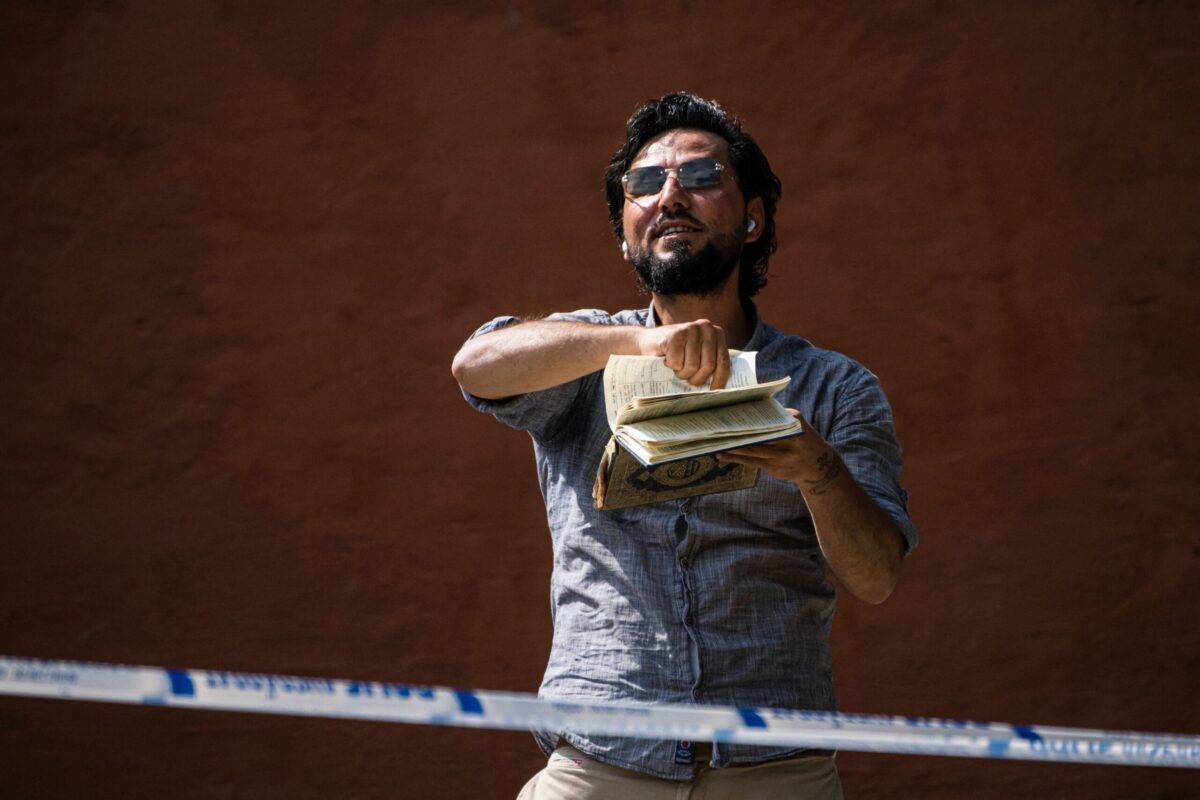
x=667, y=231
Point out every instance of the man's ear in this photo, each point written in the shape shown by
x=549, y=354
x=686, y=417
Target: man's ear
x=755, y=215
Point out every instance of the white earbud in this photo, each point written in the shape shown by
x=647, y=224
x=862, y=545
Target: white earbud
x=624, y=248
x=751, y=225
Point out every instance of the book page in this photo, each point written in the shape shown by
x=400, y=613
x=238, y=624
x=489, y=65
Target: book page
x=651, y=408
x=759, y=416
x=648, y=457
x=629, y=377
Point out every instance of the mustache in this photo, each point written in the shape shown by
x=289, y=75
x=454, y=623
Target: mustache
x=678, y=216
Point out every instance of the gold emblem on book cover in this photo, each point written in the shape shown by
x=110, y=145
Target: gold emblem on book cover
x=621, y=481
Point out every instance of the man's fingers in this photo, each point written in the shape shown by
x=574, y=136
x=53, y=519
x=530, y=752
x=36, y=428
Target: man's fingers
x=806, y=426
x=691, y=362
x=721, y=369
x=696, y=352
x=771, y=466
x=708, y=356
x=676, y=351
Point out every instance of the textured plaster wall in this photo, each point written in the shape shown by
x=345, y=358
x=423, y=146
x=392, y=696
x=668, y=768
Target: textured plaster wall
x=239, y=244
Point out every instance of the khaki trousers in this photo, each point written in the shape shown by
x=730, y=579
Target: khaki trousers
x=570, y=775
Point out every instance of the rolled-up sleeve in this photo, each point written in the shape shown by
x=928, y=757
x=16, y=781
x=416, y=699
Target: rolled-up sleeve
x=541, y=413
x=864, y=435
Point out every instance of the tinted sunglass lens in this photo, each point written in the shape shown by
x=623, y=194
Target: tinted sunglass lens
x=699, y=173
x=644, y=180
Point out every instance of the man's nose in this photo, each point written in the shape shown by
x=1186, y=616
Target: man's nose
x=672, y=195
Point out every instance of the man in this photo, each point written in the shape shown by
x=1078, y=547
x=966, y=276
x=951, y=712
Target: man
x=718, y=598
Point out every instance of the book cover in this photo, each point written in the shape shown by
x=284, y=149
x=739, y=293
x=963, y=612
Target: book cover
x=622, y=481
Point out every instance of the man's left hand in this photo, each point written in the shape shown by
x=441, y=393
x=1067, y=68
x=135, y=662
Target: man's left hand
x=806, y=460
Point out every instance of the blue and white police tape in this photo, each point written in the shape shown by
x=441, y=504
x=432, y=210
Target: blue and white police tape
x=427, y=705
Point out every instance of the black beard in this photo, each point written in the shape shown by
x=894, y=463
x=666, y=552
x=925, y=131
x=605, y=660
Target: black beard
x=685, y=272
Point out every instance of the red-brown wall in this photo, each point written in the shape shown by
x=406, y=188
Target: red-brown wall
x=240, y=244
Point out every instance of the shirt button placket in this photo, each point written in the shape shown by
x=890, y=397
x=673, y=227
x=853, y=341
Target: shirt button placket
x=681, y=538
x=681, y=532
x=683, y=544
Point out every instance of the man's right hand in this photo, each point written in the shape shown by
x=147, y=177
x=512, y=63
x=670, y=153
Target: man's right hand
x=694, y=350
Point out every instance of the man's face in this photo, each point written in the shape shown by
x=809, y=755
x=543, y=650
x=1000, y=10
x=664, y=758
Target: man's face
x=687, y=241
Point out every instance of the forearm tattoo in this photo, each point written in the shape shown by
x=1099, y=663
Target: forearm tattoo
x=831, y=467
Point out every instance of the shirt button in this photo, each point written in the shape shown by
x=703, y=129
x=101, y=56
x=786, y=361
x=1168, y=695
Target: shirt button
x=683, y=561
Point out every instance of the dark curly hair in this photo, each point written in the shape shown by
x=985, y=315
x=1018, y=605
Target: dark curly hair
x=754, y=175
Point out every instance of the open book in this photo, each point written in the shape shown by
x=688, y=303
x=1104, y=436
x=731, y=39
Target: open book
x=658, y=418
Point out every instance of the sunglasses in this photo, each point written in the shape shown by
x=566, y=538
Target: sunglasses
x=699, y=173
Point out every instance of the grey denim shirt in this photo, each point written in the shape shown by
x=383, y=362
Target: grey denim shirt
x=716, y=599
